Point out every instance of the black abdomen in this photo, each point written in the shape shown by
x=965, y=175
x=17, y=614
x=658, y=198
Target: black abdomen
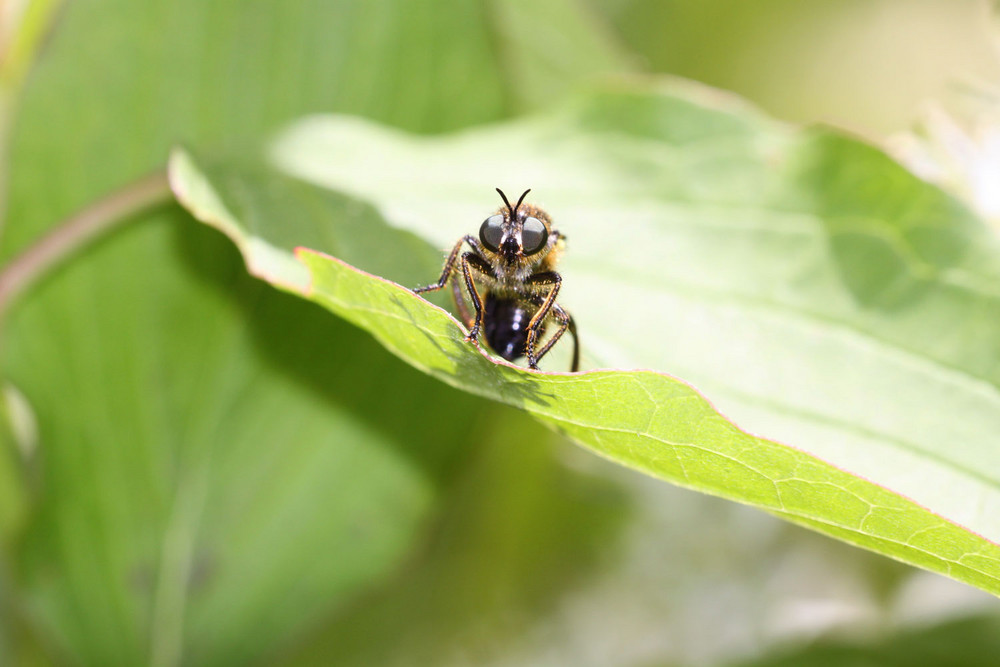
x=505, y=324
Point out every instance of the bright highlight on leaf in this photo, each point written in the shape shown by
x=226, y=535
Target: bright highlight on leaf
x=812, y=289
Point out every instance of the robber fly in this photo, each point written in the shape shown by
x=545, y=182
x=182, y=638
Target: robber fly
x=513, y=260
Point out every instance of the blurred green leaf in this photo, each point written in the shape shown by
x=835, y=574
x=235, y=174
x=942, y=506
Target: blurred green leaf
x=523, y=528
x=267, y=492
x=818, y=293
x=21, y=37
x=968, y=642
x=18, y=439
x=549, y=46
x=218, y=468
x=22, y=32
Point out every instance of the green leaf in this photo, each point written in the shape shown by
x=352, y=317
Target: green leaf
x=18, y=440
x=218, y=470
x=817, y=293
x=526, y=533
x=967, y=642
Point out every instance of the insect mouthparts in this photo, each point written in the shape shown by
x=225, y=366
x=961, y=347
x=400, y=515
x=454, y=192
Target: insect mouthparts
x=509, y=248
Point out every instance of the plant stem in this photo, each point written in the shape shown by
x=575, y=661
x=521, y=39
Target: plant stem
x=78, y=230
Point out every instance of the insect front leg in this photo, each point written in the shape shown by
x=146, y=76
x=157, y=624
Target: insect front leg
x=552, y=280
x=473, y=262
x=449, y=266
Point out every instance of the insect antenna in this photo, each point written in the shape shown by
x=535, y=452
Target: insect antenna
x=514, y=212
x=513, y=209
x=506, y=202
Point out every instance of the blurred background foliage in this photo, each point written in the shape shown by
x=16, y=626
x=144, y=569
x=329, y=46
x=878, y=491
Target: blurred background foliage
x=866, y=66
x=196, y=469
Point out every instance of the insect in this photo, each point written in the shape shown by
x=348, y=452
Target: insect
x=514, y=260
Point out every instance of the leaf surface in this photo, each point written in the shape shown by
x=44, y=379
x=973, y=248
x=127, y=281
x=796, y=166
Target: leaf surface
x=820, y=296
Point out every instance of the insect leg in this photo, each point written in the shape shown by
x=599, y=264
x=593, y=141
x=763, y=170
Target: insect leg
x=565, y=322
x=449, y=266
x=471, y=261
x=543, y=279
x=575, y=365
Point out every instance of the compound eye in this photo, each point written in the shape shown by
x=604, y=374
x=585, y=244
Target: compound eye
x=533, y=236
x=491, y=233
